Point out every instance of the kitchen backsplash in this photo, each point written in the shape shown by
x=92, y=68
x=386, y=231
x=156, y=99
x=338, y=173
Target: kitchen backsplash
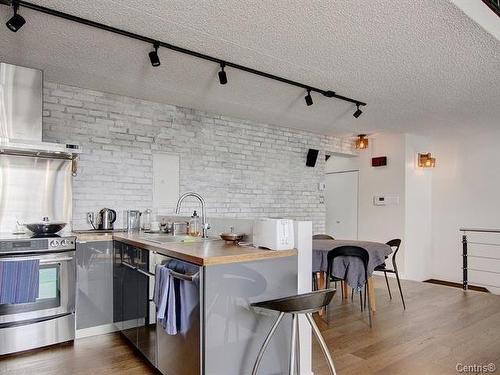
x=242, y=169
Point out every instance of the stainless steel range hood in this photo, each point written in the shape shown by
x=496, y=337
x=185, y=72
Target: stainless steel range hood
x=21, y=109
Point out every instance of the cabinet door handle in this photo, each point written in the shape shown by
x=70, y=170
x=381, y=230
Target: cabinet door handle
x=144, y=272
x=42, y=261
x=129, y=266
x=183, y=276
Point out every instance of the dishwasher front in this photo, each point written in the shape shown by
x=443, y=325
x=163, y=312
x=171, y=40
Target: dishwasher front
x=179, y=346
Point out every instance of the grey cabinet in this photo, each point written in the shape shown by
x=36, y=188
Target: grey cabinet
x=134, y=311
x=94, y=275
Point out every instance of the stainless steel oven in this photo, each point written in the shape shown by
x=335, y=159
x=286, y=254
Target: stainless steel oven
x=51, y=318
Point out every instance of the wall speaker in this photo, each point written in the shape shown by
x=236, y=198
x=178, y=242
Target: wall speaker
x=312, y=156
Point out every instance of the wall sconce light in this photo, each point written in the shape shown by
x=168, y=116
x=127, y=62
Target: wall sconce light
x=361, y=142
x=426, y=161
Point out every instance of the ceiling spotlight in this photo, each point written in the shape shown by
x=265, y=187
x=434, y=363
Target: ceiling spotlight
x=358, y=112
x=16, y=21
x=308, y=98
x=153, y=55
x=222, y=74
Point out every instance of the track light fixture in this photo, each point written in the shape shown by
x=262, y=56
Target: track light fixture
x=16, y=21
x=308, y=98
x=358, y=112
x=222, y=74
x=153, y=55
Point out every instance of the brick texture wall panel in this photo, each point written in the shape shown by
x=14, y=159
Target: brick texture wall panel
x=243, y=169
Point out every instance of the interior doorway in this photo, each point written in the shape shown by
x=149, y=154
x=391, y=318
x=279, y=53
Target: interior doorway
x=341, y=201
x=342, y=197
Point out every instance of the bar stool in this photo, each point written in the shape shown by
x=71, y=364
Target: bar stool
x=306, y=304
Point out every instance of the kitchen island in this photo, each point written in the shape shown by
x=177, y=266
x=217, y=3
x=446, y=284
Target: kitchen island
x=219, y=333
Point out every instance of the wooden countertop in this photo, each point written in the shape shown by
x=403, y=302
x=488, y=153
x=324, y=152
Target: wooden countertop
x=92, y=236
x=204, y=253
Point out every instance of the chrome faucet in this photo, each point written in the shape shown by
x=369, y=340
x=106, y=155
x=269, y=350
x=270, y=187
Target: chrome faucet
x=204, y=224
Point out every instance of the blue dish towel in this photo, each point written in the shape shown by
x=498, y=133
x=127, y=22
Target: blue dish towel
x=19, y=281
x=164, y=298
x=175, y=299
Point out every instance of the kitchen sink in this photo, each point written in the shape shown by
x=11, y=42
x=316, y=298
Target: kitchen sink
x=166, y=238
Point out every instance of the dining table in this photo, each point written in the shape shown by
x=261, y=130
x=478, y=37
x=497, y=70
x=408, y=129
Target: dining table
x=349, y=268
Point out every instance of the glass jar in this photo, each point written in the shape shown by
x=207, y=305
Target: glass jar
x=132, y=220
x=195, y=225
x=146, y=219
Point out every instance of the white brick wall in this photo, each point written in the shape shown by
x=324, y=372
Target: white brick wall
x=243, y=169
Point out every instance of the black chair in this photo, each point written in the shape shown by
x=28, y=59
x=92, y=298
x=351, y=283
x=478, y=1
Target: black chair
x=315, y=274
x=395, y=244
x=353, y=251
x=307, y=304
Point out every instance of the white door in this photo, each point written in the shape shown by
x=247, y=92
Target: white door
x=341, y=199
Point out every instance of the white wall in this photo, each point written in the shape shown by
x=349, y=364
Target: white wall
x=462, y=191
x=379, y=223
x=382, y=223
x=418, y=211
x=465, y=193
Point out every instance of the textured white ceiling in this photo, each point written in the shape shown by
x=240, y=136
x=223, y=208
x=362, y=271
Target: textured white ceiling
x=420, y=65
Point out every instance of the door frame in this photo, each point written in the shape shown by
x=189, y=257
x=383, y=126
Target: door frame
x=357, y=195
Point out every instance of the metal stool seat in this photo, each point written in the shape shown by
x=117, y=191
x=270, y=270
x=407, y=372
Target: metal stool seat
x=306, y=304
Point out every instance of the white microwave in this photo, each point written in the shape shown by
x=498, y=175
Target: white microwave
x=273, y=234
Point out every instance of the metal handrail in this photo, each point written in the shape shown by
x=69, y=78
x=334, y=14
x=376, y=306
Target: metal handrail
x=494, y=5
x=484, y=230
x=466, y=255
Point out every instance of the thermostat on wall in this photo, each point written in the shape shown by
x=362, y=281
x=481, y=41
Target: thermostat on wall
x=385, y=200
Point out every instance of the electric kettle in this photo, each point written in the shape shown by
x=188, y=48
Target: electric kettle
x=106, y=218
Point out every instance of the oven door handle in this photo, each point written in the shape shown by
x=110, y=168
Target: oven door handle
x=42, y=261
x=33, y=321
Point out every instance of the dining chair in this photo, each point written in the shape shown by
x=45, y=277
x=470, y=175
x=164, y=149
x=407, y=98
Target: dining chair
x=394, y=244
x=315, y=274
x=352, y=251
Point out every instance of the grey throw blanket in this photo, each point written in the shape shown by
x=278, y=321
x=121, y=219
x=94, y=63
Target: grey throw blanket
x=349, y=268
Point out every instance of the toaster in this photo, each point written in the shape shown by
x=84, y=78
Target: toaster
x=273, y=234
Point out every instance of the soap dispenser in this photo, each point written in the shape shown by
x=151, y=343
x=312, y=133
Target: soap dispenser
x=195, y=225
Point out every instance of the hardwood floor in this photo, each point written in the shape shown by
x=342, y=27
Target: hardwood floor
x=441, y=327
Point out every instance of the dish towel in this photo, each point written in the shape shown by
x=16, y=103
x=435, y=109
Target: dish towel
x=19, y=281
x=164, y=298
x=175, y=299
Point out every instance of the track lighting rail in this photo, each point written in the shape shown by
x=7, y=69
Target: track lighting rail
x=151, y=41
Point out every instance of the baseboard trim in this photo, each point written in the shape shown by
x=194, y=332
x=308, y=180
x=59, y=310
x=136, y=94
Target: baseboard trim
x=95, y=331
x=456, y=285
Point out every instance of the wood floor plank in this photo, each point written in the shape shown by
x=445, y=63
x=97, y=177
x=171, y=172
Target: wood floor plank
x=441, y=326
